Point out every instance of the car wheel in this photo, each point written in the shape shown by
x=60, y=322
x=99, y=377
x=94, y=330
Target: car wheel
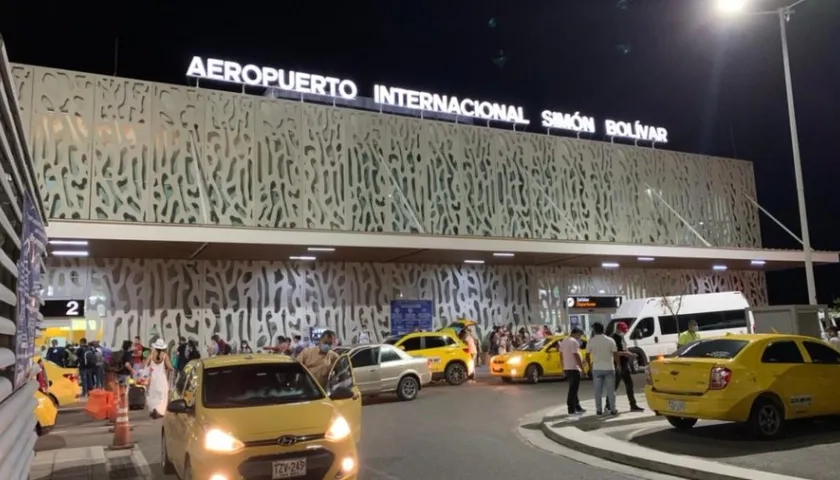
x=455, y=373
x=681, y=423
x=766, y=419
x=165, y=464
x=507, y=379
x=532, y=373
x=408, y=388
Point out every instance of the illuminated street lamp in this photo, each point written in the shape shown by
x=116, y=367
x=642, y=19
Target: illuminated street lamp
x=734, y=7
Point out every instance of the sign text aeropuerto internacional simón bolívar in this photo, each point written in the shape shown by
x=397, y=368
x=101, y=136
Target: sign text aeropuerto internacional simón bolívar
x=308, y=83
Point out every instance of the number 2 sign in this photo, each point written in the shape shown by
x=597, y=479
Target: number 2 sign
x=63, y=308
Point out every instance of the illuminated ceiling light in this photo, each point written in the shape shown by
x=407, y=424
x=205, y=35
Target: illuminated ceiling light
x=731, y=7
x=645, y=259
x=303, y=259
x=474, y=262
x=719, y=268
x=503, y=254
x=320, y=249
x=80, y=243
x=758, y=263
x=609, y=265
x=70, y=253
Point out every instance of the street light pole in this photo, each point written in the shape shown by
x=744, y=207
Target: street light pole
x=784, y=16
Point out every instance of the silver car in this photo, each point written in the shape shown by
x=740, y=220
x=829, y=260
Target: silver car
x=386, y=369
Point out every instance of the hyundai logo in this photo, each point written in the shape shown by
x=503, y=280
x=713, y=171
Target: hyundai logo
x=287, y=440
x=674, y=373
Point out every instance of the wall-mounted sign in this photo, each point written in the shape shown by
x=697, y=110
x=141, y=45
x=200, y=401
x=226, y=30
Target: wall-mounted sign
x=63, y=308
x=410, y=315
x=301, y=82
x=575, y=122
x=433, y=102
x=635, y=131
x=310, y=83
x=593, y=302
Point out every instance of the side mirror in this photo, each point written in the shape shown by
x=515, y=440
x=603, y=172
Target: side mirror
x=178, y=406
x=342, y=393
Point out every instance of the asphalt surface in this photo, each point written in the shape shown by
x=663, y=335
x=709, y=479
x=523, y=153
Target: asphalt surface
x=446, y=433
x=808, y=450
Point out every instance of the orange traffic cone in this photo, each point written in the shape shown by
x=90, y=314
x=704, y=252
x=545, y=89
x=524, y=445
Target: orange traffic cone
x=122, y=430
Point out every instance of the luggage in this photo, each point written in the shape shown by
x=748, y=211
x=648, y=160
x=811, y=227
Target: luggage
x=136, y=397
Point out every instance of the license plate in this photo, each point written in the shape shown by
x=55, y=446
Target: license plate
x=676, y=406
x=498, y=370
x=288, y=468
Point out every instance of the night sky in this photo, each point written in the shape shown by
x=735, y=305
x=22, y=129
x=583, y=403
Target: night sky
x=717, y=85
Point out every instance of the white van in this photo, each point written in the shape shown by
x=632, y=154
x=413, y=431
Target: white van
x=654, y=330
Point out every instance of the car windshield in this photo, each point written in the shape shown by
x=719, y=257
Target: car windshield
x=532, y=346
x=611, y=325
x=716, y=348
x=256, y=385
x=393, y=340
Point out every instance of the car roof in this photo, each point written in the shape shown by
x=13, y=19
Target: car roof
x=245, y=359
x=752, y=337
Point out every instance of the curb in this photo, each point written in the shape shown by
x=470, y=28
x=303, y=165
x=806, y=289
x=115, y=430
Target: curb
x=653, y=460
x=590, y=423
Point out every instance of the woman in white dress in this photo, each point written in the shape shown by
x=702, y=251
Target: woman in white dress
x=159, y=365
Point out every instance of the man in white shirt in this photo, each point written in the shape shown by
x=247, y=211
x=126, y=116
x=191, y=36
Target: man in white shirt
x=603, y=355
x=833, y=339
x=572, y=366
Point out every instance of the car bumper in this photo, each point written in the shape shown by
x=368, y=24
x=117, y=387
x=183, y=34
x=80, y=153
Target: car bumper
x=425, y=378
x=713, y=405
x=506, y=370
x=324, y=460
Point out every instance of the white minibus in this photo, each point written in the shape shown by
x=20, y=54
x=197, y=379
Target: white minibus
x=656, y=322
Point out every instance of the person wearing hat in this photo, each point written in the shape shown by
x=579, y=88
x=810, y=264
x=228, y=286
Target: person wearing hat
x=159, y=366
x=624, y=365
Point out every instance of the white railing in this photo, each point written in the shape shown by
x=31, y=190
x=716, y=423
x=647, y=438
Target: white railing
x=17, y=180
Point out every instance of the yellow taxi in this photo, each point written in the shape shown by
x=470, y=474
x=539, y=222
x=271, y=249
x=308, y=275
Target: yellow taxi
x=261, y=416
x=758, y=379
x=449, y=357
x=534, y=360
x=46, y=413
x=64, y=387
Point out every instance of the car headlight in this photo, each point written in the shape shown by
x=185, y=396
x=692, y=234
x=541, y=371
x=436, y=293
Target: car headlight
x=216, y=440
x=514, y=361
x=339, y=430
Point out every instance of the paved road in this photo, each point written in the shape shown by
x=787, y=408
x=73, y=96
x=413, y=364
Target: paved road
x=809, y=450
x=447, y=433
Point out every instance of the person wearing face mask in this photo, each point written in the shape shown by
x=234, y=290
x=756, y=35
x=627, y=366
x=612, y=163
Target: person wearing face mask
x=624, y=367
x=690, y=335
x=319, y=358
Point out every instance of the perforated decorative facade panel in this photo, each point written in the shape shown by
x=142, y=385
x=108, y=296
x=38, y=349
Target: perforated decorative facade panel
x=259, y=301
x=112, y=149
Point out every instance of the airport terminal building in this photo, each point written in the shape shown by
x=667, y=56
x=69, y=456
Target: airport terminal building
x=205, y=211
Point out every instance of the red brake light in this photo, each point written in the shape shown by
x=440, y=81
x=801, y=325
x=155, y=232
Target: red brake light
x=719, y=378
x=467, y=350
x=72, y=377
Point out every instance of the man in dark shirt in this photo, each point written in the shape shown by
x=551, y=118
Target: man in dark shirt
x=625, y=356
x=56, y=354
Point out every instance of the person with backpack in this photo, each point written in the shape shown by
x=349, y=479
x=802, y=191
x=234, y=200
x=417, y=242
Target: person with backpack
x=99, y=369
x=87, y=366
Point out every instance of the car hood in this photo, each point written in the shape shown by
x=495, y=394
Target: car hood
x=258, y=423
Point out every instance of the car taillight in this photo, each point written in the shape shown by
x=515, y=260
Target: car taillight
x=72, y=377
x=719, y=378
x=648, y=376
x=467, y=350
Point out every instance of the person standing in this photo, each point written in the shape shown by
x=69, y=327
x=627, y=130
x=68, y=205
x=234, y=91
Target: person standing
x=603, y=354
x=222, y=347
x=159, y=366
x=833, y=338
x=624, y=367
x=320, y=358
x=56, y=354
x=572, y=367
x=690, y=335
x=137, y=354
x=87, y=366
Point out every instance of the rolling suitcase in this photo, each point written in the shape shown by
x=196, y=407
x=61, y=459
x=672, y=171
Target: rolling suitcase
x=136, y=397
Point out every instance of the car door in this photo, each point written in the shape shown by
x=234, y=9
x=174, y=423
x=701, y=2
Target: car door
x=825, y=367
x=341, y=375
x=440, y=349
x=550, y=359
x=366, y=369
x=784, y=372
x=391, y=366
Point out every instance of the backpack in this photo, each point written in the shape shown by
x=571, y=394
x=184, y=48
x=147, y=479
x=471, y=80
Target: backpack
x=98, y=358
x=117, y=362
x=87, y=357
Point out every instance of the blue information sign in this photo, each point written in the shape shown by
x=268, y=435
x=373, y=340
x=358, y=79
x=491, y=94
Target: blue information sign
x=409, y=315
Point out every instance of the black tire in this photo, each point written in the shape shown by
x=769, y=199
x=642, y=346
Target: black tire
x=165, y=464
x=533, y=373
x=455, y=373
x=507, y=379
x=681, y=423
x=408, y=388
x=767, y=419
